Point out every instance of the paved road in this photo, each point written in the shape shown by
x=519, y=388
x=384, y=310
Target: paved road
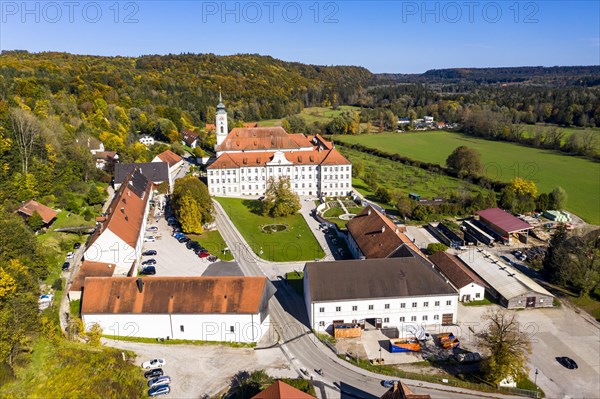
x=288, y=319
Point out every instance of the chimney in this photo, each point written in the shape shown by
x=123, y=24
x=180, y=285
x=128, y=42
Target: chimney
x=140, y=285
x=369, y=212
x=397, y=230
x=383, y=229
x=123, y=210
x=395, y=388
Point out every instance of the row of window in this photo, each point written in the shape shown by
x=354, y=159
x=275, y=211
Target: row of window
x=288, y=169
x=386, y=320
x=387, y=306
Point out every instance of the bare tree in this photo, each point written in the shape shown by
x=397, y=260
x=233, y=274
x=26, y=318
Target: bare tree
x=26, y=129
x=507, y=345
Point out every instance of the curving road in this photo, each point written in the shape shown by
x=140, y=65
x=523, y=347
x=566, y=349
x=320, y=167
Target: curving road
x=289, y=321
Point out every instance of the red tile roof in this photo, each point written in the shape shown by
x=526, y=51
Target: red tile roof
x=504, y=220
x=281, y=390
x=189, y=136
x=126, y=211
x=262, y=138
x=376, y=235
x=455, y=271
x=31, y=206
x=170, y=157
x=184, y=295
x=231, y=160
x=91, y=269
x=401, y=391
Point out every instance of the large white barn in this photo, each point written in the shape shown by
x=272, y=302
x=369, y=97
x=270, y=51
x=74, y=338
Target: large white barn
x=226, y=309
x=248, y=157
x=388, y=292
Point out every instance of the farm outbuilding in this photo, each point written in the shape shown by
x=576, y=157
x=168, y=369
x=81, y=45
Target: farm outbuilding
x=511, y=287
x=503, y=223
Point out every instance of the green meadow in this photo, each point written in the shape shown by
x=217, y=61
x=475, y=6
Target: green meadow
x=502, y=161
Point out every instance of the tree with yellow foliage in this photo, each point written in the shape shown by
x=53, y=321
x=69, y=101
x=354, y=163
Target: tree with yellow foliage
x=522, y=187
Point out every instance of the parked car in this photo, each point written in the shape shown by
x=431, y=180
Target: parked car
x=199, y=249
x=70, y=255
x=178, y=235
x=152, y=228
x=153, y=373
x=162, y=380
x=150, y=252
x=149, y=239
x=212, y=258
x=66, y=266
x=183, y=239
x=203, y=254
x=159, y=390
x=77, y=245
x=387, y=383
x=149, y=262
x=567, y=362
x=149, y=364
x=148, y=271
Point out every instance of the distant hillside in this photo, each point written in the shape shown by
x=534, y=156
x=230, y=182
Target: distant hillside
x=549, y=76
x=256, y=87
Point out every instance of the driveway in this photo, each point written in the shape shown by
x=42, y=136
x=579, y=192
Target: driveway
x=308, y=205
x=196, y=370
x=554, y=332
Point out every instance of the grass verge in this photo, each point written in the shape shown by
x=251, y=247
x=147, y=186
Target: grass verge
x=214, y=243
x=179, y=341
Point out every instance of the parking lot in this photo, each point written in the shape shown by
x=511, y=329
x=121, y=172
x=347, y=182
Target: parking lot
x=172, y=258
x=554, y=332
x=196, y=370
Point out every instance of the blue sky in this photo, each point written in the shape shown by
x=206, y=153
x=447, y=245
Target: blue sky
x=383, y=36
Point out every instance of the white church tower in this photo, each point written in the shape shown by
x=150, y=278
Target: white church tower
x=221, y=122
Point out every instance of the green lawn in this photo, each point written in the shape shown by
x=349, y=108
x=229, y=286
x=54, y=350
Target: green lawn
x=214, y=243
x=502, y=161
x=296, y=243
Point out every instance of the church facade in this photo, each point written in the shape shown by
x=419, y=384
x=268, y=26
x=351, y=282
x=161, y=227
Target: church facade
x=246, y=158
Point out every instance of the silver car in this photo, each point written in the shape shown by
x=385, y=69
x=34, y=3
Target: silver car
x=162, y=380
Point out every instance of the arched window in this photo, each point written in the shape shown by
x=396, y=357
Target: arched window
x=222, y=129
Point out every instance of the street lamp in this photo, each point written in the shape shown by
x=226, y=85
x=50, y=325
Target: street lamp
x=380, y=355
x=535, y=383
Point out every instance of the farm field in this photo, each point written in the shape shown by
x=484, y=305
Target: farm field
x=502, y=161
x=296, y=243
x=394, y=175
x=313, y=114
x=528, y=130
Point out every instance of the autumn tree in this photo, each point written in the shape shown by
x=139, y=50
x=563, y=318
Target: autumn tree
x=190, y=215
x=26, y=129
x=464, y=161
x=196, y=190
x=279, y=199
x=523, y=187
x=507, y=347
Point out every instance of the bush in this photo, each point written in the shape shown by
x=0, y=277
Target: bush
x=436, y=247
x=57, y=285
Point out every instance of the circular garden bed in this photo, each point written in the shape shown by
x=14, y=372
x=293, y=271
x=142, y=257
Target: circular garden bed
x=274, y=228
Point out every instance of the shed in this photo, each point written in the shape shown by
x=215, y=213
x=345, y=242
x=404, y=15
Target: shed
x=503, y=223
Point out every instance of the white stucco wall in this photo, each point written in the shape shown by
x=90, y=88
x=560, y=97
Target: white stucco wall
x=474, y=291
x=205, y=327
x=426, y=312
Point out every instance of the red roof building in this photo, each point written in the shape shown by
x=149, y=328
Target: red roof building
x=31, y=207
x=502, y=222
x=281, y=390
